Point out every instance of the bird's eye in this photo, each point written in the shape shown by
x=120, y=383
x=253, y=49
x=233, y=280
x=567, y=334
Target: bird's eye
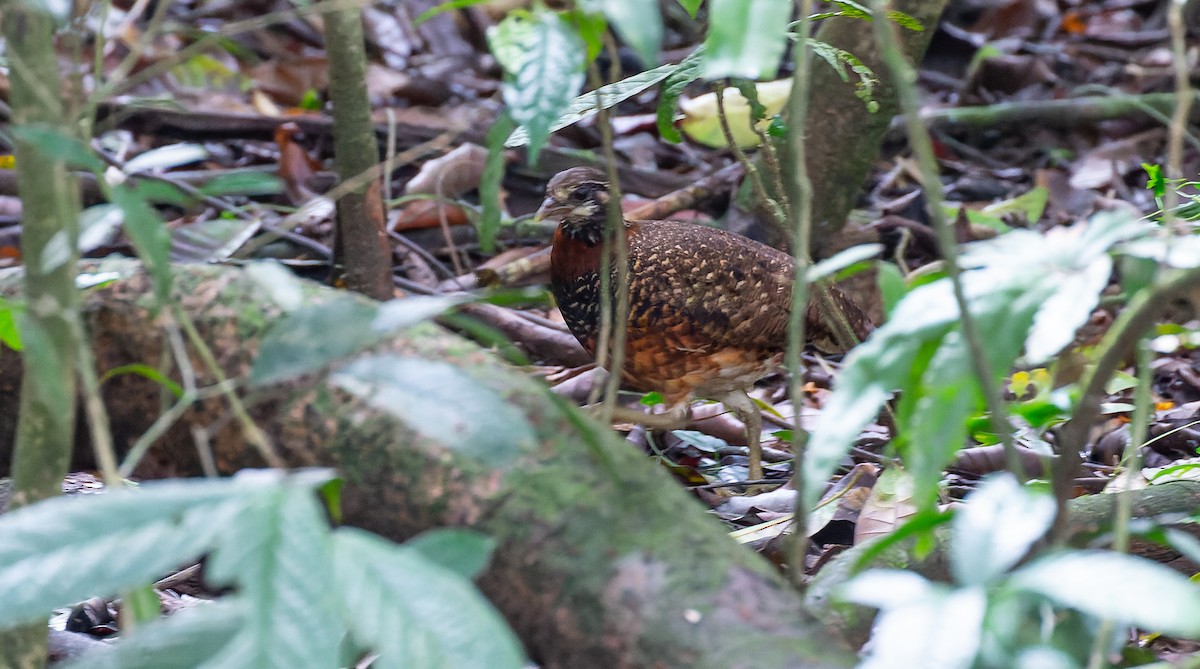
x=583, y=192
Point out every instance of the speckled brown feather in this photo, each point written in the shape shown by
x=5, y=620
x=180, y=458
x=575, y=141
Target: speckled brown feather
x=708, y=308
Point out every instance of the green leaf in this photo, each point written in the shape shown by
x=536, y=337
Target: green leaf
x=746, y=38
x=279, y=552
x=584, y=106
x=10, y=336
x=1021, y=287
x=841, y=260
x=165, y=157
x=54, y=143
x=905, y=21
x=591, y=27
x=146, y=372
x=639, y=23
x=464, y=552
x=149, y=236
x=415, y=613
x=687, y=71
x=690, y=6
x=183, y=640
x=921, y=624
x=242, y=182
x=543, y=63
x=1146, y=594
x=891, y=286
x=440, y=401
x=1155, y=181
x=142, y=604
x=66, y=549
x=448, y=6
x=489, y=182
x=996, y=528
x=839, y=60
x=307, y=340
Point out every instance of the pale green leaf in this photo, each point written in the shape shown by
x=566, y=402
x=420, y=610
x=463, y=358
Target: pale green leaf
x=942, y=629
x=278, y=551
x=183, y=640
x=584, y=106
x=300, y=342
x=746, y=38
x=1135, y=590
x=415, y=613
x=996, y=527
x=462, y=551
x=543, y=62
x=843, y=259
x=440, y=401
x=67, y=549
x=639, y=23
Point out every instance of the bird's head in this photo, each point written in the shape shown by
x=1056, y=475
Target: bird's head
x=576, y=201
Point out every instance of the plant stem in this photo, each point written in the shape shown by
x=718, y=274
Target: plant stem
x=918, y=139
x=800, y=197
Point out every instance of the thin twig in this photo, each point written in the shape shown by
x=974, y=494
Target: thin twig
x=610, y=352
x=250, y=430
x=801, y=210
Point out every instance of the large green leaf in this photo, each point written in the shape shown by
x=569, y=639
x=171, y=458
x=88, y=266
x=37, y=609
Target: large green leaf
x=464, y=552
x=307, y=340
x=66, y=549
x=638, y=22
x=442, y=402
x=543, y=60
x=920, y=624
x=278, y=552
x=184, y=640
x=1023, y=290
x=996, y=528
x=1117, y=587
x=746, y=38
x=610, y=95
x=687, y=71
x=415, y=613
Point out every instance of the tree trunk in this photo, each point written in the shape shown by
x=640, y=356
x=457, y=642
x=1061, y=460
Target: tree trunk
x=602, y=560
x=841, y=153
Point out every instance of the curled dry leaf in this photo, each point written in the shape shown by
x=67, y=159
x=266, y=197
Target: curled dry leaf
x=451, y=176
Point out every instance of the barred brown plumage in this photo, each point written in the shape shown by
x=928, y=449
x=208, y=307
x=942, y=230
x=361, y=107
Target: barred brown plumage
x=708, y=309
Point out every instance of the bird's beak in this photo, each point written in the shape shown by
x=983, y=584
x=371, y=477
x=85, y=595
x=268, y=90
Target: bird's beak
x=551, y=211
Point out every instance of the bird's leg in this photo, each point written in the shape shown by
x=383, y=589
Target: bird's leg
x=676, y=418
x=745, y=408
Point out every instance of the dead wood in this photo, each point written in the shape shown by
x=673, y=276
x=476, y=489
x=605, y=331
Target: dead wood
x=602, y=561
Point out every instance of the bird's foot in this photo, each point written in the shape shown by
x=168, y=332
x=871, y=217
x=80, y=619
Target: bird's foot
x=674, y=419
